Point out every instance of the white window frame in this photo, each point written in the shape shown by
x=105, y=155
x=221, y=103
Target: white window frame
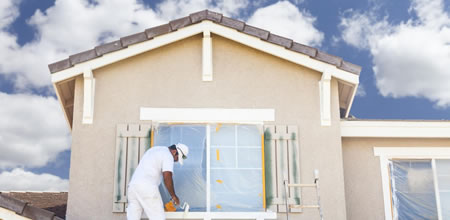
x=387, y=153
x=209, y=116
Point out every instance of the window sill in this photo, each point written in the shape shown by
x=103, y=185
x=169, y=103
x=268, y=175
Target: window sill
x=221, y=215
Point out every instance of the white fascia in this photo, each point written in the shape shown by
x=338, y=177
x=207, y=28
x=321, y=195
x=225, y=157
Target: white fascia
x=207, y=115
x=89, y=94
x=204, y=27
x=396, y=129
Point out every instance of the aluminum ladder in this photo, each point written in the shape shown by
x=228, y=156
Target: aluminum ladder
x=314, y=185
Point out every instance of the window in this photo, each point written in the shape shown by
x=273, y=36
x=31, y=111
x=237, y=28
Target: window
x=223, y=172
x=416, y=183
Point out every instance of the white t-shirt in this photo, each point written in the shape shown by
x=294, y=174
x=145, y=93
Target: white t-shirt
x=155, y=161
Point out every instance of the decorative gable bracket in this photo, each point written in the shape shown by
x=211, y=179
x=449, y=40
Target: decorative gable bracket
x=207, y=69
x=89, y=91
x=325, y=98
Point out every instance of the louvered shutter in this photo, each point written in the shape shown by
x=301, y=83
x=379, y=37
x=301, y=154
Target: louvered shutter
x=282, y=160
x=132, y=140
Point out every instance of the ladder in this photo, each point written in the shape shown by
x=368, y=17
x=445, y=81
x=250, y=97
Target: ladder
x=314, y=185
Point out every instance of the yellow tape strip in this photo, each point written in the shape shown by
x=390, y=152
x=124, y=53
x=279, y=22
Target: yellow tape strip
x=218, y=127
x=219, y=181
x=217, y=155
x=263, y=172
x=152, y=137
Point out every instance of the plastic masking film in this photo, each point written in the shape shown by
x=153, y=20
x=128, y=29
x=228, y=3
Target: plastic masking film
x=443, y=177
x=235, y=166
x=189, y=179
x=236, y=172
x=413, y=192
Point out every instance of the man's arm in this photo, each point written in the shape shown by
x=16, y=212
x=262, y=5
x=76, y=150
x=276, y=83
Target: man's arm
x=168, y=181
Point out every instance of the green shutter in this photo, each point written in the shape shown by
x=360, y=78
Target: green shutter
x=282, y=160
x=132, y=140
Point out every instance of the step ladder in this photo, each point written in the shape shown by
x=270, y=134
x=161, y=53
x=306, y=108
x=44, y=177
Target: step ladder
x=314, y=185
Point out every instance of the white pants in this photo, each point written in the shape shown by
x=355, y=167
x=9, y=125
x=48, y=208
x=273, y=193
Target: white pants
x=144, y=198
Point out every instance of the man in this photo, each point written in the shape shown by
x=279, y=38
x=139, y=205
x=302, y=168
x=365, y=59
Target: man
x=143, y=192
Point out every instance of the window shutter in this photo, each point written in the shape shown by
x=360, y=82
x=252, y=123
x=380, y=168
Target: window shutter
x=282, y=160
x=132, y=140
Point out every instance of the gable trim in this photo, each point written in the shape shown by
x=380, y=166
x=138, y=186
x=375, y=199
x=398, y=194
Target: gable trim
x=206, y=26
x=202, y=115
x=396, y=129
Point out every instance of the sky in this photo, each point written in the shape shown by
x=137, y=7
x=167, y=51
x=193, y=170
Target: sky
x=403, y=47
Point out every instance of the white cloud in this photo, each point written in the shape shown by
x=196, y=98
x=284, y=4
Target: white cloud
x=361, y=91
x=8, y=12
x=20, y=180
x=411, y=58
x=32, y=130
x=285, y=19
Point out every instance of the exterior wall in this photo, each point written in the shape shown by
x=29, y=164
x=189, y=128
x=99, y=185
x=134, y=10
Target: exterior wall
x=363, y=186
x=171, y=77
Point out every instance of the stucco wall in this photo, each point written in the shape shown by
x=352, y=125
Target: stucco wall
x=363, y=187
x=171, y=77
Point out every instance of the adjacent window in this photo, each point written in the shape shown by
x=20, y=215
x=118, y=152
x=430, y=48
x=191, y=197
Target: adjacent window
x=416, y=183
x=223, y=172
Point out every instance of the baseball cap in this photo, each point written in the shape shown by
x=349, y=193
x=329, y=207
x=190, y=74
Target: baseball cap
x=183, y=151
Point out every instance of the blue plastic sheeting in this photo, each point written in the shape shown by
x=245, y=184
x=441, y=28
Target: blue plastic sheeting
x=236, y=174
x=235, y=169
x=443, y=177
x=413, y=191
x=189, y=179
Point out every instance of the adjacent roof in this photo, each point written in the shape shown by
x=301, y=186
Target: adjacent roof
x=194, y=18
x=36, y=205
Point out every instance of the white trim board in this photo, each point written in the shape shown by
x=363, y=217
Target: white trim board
x=206, y=26
x=221, y=215
x=396, y=129
x=207, y=115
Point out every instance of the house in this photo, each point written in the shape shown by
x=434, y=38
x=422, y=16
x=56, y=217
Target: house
x=256, y=109
x=33, y=205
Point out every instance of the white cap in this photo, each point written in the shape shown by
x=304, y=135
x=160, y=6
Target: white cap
x=183, y=150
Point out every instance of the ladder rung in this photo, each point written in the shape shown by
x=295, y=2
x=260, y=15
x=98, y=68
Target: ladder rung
x=301, y=185
x=303, y=206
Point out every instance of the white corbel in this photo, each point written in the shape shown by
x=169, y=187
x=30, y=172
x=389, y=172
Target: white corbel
x=325, y=98
x=207, y=70
x=89, y=91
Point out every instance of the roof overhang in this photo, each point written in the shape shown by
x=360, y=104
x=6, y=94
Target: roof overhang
x=328, y=65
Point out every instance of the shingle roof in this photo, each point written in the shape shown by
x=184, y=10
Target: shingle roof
x=196, y=18
x=36, y=205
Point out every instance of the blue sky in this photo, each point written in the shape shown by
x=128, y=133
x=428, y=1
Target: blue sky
x=403, y=47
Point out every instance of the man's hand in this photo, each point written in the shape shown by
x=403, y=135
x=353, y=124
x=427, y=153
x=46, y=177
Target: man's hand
x=176, y=200
x=168, y=181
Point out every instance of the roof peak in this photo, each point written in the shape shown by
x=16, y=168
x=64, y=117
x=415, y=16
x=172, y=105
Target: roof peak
x=195, y=18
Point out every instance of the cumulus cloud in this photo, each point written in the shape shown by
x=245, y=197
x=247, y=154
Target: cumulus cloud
x=411, y=58
x=285, y=19
x=361, y=91
x=32, y=130
x=21, y=180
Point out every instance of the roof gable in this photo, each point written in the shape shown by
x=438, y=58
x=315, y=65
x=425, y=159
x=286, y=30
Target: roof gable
x=204, y=22
x=195, y=18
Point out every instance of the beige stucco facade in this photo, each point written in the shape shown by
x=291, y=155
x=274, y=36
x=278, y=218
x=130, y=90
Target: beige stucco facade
x=363, y=183
x=171, y=77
